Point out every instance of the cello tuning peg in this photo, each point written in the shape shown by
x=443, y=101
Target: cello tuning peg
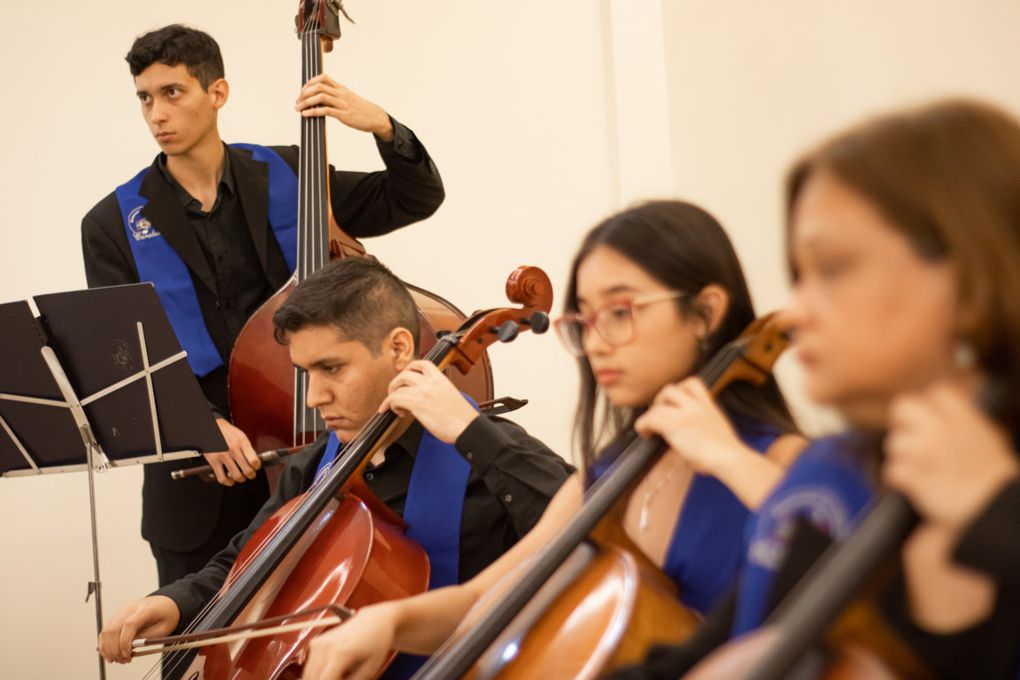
x=507, y=331
x=539, y=322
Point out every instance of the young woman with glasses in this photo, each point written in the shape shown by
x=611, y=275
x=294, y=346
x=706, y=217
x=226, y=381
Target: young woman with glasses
x=654, y=291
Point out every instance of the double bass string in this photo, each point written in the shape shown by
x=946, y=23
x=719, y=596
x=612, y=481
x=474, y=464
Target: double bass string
x=309, y=220
x=312, y=215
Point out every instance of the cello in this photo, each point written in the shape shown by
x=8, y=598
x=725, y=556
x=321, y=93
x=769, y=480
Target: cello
x=266, y=394
x=823, y=628
x=337, y=546
x=591, y=601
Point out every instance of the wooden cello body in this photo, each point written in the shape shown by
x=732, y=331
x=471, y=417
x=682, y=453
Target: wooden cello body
x=590, y=601
x=353, y=554
x=267, y=396
x=614, y=606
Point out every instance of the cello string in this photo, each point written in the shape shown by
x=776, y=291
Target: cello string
x=241, y=568
x=434, y=356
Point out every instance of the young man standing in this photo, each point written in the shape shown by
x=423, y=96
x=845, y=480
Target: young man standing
x=353, y=327
x=212, y=226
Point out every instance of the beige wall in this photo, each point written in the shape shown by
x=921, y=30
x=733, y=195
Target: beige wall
x=752, y=85
x=542, y=116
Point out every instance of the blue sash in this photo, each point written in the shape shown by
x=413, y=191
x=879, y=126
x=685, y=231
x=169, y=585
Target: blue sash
x=827, y=485
x=707, y=546
x=158, y=263
x=435, y=503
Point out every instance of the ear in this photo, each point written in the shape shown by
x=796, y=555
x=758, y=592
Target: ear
x=399, y=346
x=711, y=305
x=220, y=91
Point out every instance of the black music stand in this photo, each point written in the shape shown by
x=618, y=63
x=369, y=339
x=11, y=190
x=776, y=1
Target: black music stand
x=96, y=381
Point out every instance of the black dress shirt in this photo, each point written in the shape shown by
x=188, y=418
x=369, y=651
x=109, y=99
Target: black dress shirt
x=241, y=283
x=513, y=477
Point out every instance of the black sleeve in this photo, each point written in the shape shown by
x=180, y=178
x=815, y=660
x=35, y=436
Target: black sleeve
x=988, y=650
x=990, y=544
x=521, y=472
x=194, y=591
x=106, y=263
x=376, y=203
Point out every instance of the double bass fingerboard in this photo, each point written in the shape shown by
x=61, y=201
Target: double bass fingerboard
x=313, y=221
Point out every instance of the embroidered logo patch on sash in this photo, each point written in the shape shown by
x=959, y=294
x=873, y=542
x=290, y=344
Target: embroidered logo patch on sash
x=141, y=228
x=777, y=524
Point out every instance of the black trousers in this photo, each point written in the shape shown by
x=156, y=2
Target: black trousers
x=234, y=517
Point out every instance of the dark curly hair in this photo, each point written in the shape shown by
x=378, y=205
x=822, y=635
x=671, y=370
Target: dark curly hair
x=177, y=44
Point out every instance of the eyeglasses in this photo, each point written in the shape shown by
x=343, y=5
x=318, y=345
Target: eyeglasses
x=613, y=321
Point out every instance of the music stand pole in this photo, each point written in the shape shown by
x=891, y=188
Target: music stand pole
x=92, y=450
x=96, y=586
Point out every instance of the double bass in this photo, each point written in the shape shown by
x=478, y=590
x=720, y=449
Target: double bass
x=267, y=395
x=336, y=547
x=591, y=601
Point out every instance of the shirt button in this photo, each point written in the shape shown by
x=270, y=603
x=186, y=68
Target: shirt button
x=369, y=476
x=508, y=498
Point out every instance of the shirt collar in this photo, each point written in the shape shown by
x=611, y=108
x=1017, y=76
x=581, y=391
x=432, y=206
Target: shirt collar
x=410, y=440
x=225, y=187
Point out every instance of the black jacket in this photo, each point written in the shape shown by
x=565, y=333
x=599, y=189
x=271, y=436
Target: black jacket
x=181, y=515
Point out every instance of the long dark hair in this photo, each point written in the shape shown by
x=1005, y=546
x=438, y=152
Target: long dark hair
x=947, y=177
x=684, y=248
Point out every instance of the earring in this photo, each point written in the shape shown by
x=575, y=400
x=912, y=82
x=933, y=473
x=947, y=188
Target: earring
x=964, y=355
